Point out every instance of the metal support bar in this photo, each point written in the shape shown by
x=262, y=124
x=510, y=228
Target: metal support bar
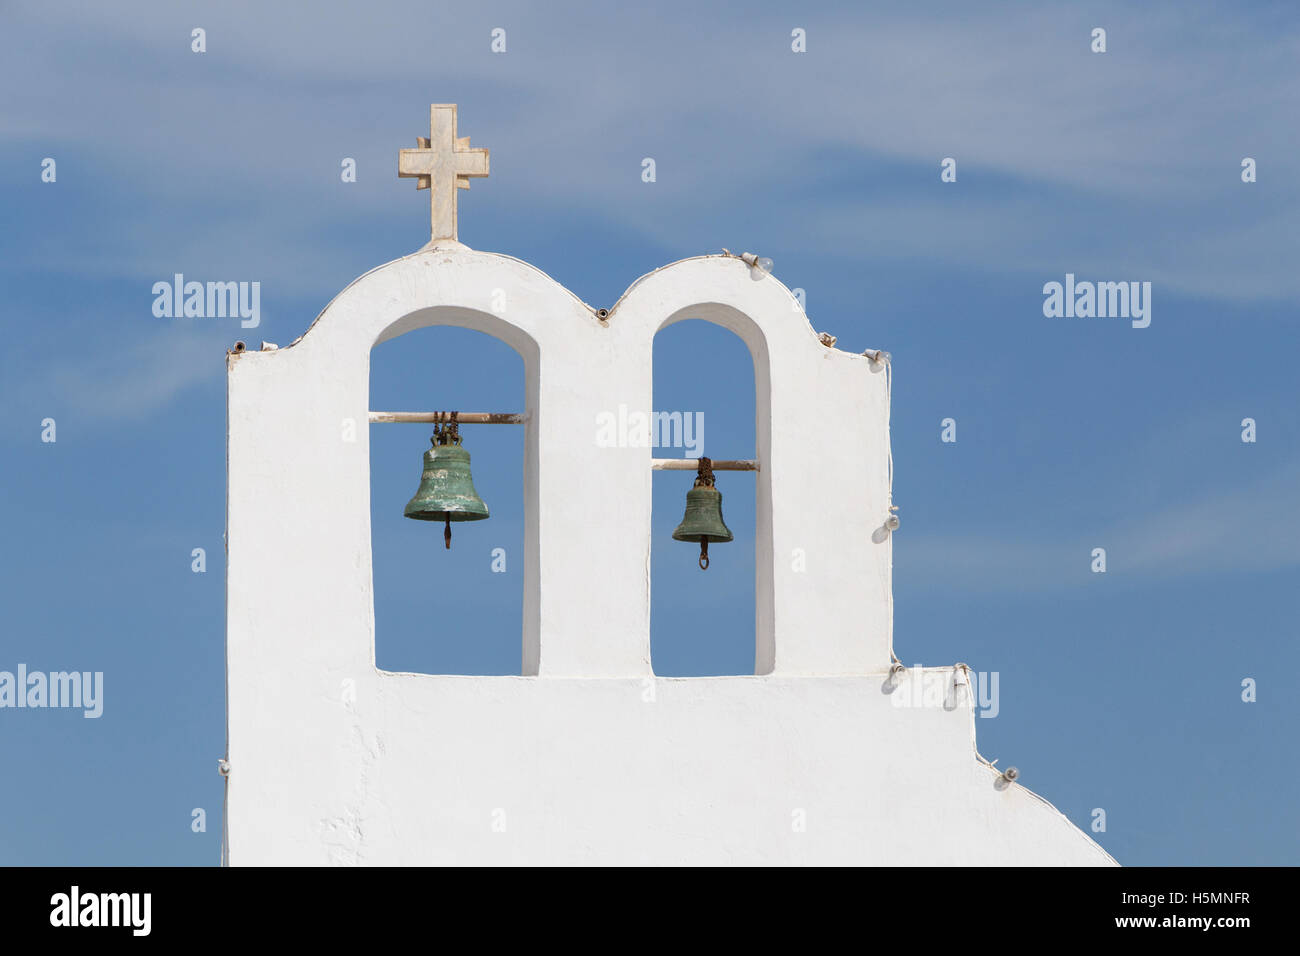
x=691, y=464
x=464, y=418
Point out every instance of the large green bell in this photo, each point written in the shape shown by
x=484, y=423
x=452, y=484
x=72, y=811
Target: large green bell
x=703, y=519
x=446, y=491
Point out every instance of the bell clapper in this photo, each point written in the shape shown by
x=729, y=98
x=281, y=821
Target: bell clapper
x=704, y=479
x=446, y=534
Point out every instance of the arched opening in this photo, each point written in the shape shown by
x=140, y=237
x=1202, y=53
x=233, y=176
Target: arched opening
x=440, y=611
x=702, y=623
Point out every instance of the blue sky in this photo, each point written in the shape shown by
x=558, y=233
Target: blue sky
x=1119, y=690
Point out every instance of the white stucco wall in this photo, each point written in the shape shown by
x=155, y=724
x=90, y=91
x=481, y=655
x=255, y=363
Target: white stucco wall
x=588, y=757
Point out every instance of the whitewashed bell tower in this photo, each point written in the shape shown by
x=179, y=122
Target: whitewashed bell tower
x=587, y=757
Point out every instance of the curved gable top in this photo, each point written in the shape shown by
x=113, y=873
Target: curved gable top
x=715, y=279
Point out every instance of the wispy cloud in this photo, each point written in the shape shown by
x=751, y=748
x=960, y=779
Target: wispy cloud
x=126, y=383
x=1255, y=527
x=227, y=162
x=720, y=101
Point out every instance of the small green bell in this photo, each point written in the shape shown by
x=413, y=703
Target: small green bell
x=703, y=519
x=446, y=491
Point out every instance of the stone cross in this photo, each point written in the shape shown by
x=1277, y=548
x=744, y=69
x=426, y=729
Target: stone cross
x=443, y=163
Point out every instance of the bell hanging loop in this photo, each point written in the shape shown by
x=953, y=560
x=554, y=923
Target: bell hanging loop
x=703, y=522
